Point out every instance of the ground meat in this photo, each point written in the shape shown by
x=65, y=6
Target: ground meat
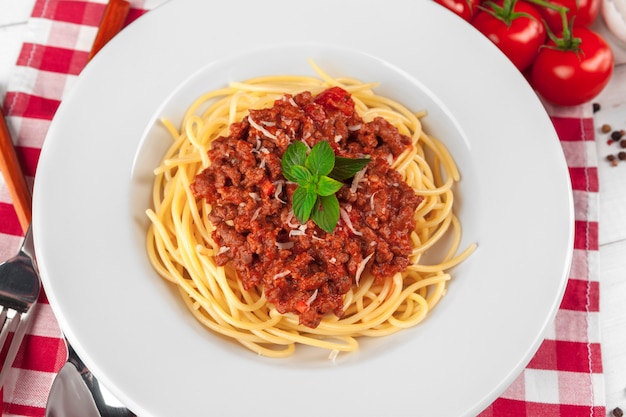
x=301, y=268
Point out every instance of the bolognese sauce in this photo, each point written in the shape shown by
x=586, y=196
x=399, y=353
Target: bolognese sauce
x=301, y=268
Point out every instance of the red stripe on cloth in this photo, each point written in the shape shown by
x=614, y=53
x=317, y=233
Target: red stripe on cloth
x=43, y=298
x=23, y=410
x=504, y=407
x=79, y=12
x=134, y=14
x=71, y=11
x=545, y=357
x=40, y=7
x=27, y=105
x=83, y=13
x=577, y=299
x=40, y=353
x=53, y=59
x=582, y=411
x=567, y=356
x=584, y=179
x=9, y=223
x=571, y=129
x=29, y=158
x=579, y=357
x=585, y=235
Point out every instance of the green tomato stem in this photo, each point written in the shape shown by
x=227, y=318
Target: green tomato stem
x=566, y=41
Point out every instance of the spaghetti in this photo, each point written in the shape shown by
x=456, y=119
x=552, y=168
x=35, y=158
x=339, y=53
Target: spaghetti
x=182, y=248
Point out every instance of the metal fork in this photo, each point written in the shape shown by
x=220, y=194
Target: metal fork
x=19, y=290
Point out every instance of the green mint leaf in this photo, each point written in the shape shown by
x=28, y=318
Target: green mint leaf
x=321, y=159
x=294, y=155
x=326, y=186
x=318, y=175
x=302, y=202
x=347, y=167
x=326, y=212
x=301, y=175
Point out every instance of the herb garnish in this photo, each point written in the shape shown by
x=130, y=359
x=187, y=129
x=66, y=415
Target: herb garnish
x=318, y=175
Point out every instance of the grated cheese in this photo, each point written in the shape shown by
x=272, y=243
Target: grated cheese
x=361, y=267
x=358, y=178
x=300, y=231
x=258, y=145
x=261, y=128
x=279, y=189
x=281, y=274
x=311, y=298
x=255, y=214
x=372, y=200
x=284, y=245
x=289, y=223
x=346, y=218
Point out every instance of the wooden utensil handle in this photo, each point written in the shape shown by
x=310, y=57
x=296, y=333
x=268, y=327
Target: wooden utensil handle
x=112, y=22
x=14, y=176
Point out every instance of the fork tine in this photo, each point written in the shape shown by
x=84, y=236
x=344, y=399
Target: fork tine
x=3, y=316
x=11, y=325
x=8, y=326
x=4, y=326
x=17, y=326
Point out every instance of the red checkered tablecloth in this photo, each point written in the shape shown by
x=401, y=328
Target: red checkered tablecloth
x=563, y=379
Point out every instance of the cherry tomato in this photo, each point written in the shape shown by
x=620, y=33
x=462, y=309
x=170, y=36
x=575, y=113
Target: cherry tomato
x=516, y=28
x=464, y=8
x=573, y=76
x=584, y=13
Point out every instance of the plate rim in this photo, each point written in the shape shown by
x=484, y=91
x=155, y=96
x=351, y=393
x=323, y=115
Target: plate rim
x=43, y=241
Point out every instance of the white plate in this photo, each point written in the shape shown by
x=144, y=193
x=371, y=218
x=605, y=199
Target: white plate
x=129, y=326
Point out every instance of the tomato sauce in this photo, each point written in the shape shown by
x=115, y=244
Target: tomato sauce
x=301, y=268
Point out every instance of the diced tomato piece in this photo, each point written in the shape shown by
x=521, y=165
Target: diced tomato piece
x=302, y=306
x=267, y=187
x=336, y=98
